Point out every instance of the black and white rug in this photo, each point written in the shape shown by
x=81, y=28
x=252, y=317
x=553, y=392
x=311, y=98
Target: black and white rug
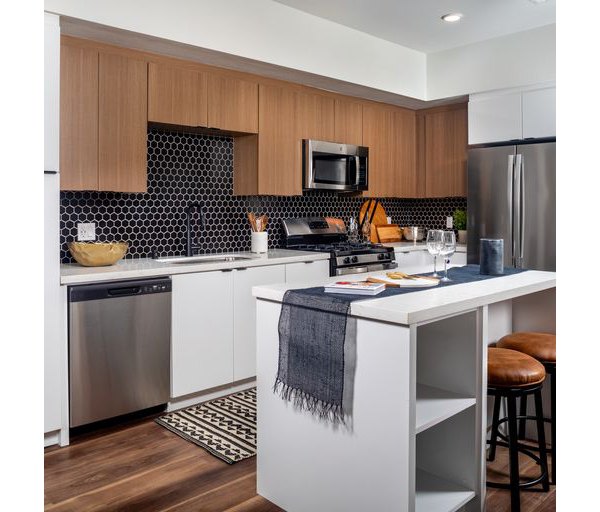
x=226, y=427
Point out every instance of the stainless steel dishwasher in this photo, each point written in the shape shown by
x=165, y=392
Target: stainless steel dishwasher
x=119, y=348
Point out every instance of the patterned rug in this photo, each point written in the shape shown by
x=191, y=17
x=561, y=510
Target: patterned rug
x=226, y=427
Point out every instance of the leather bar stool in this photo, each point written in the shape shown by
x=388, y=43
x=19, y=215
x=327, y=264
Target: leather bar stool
x=541, y=346
x=512, y=375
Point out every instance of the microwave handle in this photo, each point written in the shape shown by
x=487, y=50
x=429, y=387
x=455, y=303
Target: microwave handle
x=357, y=168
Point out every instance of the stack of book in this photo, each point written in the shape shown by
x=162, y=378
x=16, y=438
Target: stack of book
x=355, y=287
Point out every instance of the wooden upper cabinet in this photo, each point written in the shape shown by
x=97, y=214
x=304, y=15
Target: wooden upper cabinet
x=348, y=122
x=177, y=95
x=279, y=153
x=444, y=150
x=404, y=141
x=78, y=118
x=122, y=124
x=390, y=134
x=314, y=116
x=232, y=104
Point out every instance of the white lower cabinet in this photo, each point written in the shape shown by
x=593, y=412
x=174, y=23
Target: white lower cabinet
x=306, y=271
x=244, y=315
x=213, y=334
x=202, y=331
x=412, y=258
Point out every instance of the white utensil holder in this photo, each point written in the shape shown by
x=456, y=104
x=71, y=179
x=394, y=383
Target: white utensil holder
x=259, y=242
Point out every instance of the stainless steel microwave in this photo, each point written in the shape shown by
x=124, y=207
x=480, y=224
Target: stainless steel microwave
x=333, y=166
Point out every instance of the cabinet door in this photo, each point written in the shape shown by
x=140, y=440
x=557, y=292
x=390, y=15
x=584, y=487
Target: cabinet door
x=279, y=150
x=377, y=130
x=244, y=323
x=414, y=259
x=495, y=118
x=539, y=113
x=348, y=122
x=404, y=147
x=78, y=118
x=177, y=95
x=122, y=124
x=446, y=153
x=390, y=134
x=315, y=117
x=232, y=104
x=307, y=271
x=202, y=332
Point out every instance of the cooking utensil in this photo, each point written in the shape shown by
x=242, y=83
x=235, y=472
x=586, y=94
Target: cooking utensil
x=377, y=215
x=387, y=283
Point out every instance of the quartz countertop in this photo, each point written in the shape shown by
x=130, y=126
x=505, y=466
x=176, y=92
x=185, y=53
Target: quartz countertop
x=431, y=303
x=73, y=273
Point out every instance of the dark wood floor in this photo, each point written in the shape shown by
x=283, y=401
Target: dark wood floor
x=143, y=467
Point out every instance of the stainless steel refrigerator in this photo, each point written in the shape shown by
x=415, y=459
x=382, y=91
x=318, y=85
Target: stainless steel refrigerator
x=512, y=195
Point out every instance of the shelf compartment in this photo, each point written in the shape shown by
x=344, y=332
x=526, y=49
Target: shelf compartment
x=435, y=494
x=435, y=405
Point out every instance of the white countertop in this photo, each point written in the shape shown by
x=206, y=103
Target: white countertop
x=419, y=246
x=430, y=303
x=73, y=273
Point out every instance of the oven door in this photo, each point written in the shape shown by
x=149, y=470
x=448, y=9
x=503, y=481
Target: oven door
x=333, y=166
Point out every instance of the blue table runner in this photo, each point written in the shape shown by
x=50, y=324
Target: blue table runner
x=312, y=334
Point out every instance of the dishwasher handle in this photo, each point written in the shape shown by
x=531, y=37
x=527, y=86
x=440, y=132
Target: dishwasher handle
x=124, y=292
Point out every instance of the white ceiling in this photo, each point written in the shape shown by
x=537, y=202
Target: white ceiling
x=416, y=23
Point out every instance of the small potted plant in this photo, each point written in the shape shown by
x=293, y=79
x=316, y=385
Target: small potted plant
x=459, y=218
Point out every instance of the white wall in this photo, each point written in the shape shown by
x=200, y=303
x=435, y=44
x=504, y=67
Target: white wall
x=521, y=59
x=266, y=31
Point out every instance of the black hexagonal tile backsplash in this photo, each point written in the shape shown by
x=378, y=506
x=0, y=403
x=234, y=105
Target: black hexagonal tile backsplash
x=186, y=167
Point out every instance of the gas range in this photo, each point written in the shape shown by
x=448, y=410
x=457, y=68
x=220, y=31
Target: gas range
x=328, y=234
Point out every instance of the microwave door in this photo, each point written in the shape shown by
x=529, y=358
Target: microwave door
x=330, y=171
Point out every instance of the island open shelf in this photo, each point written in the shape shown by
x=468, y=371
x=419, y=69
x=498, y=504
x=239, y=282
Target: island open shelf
x=434, y=494
x=435, y=405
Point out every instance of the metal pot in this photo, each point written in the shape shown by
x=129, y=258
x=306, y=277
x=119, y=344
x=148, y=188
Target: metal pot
x=407, y=232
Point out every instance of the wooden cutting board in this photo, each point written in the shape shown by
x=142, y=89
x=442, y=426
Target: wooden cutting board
x=389, y=233
x=378, y=218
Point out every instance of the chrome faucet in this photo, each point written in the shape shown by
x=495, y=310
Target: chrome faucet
x=195, y=206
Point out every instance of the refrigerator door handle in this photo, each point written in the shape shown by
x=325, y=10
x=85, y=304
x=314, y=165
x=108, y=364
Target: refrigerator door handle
x=514, y=211
x=520, y=169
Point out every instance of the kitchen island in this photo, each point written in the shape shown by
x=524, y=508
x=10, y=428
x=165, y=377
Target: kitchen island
x=416, y=440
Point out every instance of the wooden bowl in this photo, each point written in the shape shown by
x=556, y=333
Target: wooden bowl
x=97, y=254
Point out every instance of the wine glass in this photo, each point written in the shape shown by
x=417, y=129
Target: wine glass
x=435, y=239
x=448, y=248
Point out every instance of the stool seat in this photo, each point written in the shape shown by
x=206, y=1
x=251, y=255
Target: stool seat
x=509, y=368
x=540, y=345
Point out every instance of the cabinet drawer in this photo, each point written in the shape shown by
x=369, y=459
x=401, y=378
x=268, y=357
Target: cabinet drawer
x=306, y=271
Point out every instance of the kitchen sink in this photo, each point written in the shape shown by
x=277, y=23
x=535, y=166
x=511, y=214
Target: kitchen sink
x=207, y=258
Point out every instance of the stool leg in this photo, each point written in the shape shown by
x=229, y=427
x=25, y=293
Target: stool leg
x=522, y=412
x=553, y=422
x=494, y=434
x=513, y=452
x=539, y=417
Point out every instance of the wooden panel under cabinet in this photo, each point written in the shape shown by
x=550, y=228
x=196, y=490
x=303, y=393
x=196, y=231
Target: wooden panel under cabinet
x=314, y=116
x=177, y=95
x=78, y=118
x=443, y=149
x=348, y=122
x=122, y=124
x=232, y=104
x=279, y=154
x=390, y=134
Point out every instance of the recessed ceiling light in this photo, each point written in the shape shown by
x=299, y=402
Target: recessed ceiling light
x=453, y=17
x=538, y=1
